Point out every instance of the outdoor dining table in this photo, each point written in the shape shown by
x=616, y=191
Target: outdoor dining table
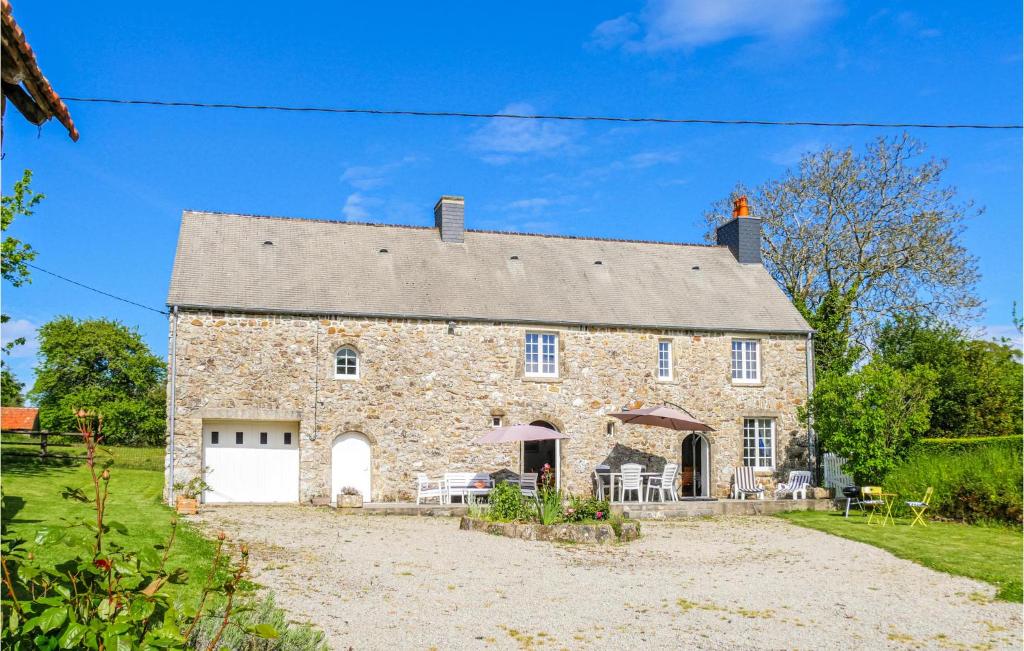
x=644, y=476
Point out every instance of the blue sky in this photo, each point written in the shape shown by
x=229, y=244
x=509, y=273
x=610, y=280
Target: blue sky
x=114, y=199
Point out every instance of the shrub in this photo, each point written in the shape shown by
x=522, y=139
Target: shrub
x=507, y=503
x=292, y=637
x=583, y=509
x=980, y=483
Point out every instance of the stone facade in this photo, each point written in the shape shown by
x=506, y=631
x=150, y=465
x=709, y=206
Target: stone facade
x=426, y=391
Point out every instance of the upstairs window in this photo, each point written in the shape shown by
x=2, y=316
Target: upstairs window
x=665, y=360
x=541, y=354
x=495, y=421
x=746, y=360
x=759, y=443
x=346, y=364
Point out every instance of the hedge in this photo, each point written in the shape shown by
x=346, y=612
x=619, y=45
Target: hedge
x=956, y=445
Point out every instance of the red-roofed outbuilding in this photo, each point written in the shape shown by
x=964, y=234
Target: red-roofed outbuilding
x=19, y=419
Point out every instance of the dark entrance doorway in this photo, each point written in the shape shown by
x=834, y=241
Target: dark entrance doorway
x=537, y=453
x=694, y=467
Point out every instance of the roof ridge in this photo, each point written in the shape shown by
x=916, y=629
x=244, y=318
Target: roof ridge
x=321, y=220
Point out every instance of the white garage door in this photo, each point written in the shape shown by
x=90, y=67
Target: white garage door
x=251, y=461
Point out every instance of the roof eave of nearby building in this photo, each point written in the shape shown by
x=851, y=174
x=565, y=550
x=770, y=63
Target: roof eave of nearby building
x=476, y=319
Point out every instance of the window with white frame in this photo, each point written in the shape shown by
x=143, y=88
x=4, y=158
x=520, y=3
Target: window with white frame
x=541, y=354
x=664, y=360
x=759, y=443
x=495, y=421
x=746, y=360
x=346, y=364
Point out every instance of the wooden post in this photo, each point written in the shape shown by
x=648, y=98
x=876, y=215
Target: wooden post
x=42, y=444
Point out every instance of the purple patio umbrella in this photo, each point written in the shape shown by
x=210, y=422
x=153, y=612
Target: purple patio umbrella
x=516, y=433
x=663, y=416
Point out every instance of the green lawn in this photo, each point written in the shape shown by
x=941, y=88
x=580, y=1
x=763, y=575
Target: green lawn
x=32, y=499
x=988, y=553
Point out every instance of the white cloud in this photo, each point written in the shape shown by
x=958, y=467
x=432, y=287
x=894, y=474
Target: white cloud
x=999, y=332
x=21, y=328
x=645, y=159
x=501, y=140
x=528, y=204
x=358, y=206
x=665, y=25
x=368, y=177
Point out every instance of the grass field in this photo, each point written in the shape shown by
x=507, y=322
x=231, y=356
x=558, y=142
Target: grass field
x=32, y=499
x=988, y=553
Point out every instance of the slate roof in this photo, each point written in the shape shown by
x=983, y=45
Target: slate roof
x=19, y=419
x=338, y=268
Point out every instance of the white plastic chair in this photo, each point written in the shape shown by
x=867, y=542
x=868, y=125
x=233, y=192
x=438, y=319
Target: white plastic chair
x=427, y=488
x=632, y=480
x=744, y=483
x=528, y=484
x=796, y=485
x=664, y=485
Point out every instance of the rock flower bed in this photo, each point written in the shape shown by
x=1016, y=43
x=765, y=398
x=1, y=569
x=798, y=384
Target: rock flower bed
x=549, y=516
x=569, y=532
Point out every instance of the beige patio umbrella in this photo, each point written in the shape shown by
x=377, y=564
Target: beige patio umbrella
x=663, y=416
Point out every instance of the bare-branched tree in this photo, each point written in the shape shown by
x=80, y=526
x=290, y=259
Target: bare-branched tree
x=856, y=238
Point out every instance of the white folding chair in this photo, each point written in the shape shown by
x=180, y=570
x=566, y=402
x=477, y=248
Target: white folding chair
x=796, y=485
x=528, y=484
x=744, y=483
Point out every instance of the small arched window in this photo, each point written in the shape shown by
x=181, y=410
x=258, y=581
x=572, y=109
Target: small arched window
x=346, y=364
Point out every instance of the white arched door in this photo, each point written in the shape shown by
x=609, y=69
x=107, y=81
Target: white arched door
x=350, y=465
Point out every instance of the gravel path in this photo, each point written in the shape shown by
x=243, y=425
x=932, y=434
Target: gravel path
x=378, y=582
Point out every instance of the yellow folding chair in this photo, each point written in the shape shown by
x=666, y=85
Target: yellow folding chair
x=871, y=497
x=919, y=508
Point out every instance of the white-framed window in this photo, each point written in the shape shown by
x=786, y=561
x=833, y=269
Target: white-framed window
x=664, y=359
x=495, y=421
x=541, y=354
x=346, y=364
x=746, y=360
x=759, y=443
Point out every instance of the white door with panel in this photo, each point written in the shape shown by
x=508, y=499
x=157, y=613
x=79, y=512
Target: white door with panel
x=350, y=465
x=251, y=461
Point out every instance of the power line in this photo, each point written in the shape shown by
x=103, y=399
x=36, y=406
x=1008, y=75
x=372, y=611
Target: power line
x=98, y=291
x=522, y=116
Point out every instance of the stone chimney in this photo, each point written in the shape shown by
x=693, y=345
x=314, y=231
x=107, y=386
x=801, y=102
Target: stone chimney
x=743, y=234
x=449, y=218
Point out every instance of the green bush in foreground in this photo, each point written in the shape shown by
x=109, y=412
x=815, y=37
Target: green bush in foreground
x=507, y=504
x=979, y=484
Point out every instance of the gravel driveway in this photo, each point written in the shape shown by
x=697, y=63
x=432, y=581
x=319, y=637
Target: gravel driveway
x=399, y=582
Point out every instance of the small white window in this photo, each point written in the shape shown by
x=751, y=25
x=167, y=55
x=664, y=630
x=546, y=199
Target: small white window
x=664, y=360
x=541, y=354
x=346, y=364
x=759, y=443
x=609, y=428
x=495, y=421
x=746, y=360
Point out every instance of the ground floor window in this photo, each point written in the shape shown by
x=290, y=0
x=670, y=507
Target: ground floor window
x=759, y=443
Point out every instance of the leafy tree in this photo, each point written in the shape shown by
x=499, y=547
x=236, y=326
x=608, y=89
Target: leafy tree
x=872, y=416
x=101, y=365
x=10, y=389
x=857, y=238
x=980, y=383
x=14, y=256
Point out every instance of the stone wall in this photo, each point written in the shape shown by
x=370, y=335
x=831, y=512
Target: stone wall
x=424, y=394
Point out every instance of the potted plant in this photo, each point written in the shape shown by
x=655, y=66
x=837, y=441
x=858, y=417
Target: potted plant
x=188, y=492
x=350, y=498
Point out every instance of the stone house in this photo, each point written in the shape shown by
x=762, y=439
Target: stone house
x=310, y=355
